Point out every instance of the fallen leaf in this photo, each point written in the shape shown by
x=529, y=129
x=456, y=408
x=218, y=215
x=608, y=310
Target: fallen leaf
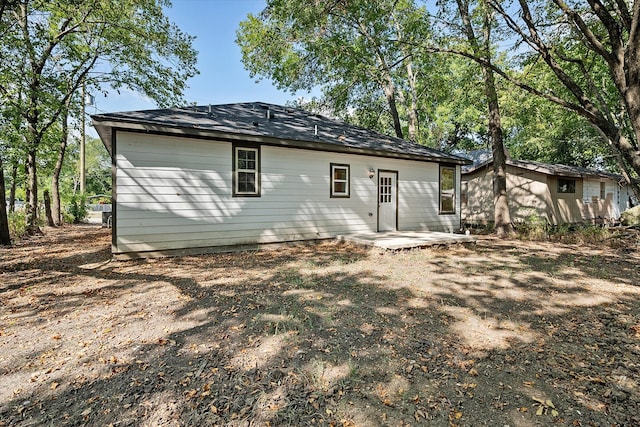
x=54, y=385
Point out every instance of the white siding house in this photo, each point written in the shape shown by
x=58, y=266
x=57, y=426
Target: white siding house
x=234, y=175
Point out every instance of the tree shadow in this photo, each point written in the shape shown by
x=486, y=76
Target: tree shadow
x=322, y=334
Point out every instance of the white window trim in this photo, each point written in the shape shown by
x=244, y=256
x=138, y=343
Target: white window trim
x=453, y=192
x=254, y=171
x=347, y=186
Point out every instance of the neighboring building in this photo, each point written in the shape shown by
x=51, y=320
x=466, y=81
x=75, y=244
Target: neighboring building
x=235, y=174
x=558, y=194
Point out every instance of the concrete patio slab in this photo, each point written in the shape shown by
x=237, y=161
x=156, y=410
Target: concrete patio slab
x=395, y=240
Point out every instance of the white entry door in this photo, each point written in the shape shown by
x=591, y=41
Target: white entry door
x=387, y=201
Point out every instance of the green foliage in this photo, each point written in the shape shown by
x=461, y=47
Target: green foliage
x=631, y=216
x=17, y=223
x=356, y=52
x=98, y=165
x=534, y=227
x=52, y=49
x=545, y=132
x=77, y=209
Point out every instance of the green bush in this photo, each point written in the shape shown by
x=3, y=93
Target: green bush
x=17, y=223
x=592, y=234
x=78, y=208
x=631, y=216
x=533, y=228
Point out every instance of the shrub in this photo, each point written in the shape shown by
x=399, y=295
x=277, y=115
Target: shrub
x=533, y=228
x=592, y=234
x=631, y=216
x=17, y=223
x=78, y=208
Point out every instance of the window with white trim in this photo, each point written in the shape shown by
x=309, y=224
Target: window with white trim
x=246, y=173
x=339, y=180
x=447, y=190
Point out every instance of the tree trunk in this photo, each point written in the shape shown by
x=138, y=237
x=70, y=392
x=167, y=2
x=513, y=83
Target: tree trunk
x=501, y=215
x=32, y=200
x=12, y=189
x=413, y=103
x=47, y=208
x=5, y=238
x=56, y=210
x=390, y=94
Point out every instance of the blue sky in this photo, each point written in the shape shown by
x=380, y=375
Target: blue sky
x=222, y=77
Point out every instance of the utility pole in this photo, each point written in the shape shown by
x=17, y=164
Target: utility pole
x=83, y=156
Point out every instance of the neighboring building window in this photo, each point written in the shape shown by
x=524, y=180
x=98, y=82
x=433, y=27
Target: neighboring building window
x=339, y=180
x=447, y=190
x=603, y=191
x=566, y=185
x=246, y=173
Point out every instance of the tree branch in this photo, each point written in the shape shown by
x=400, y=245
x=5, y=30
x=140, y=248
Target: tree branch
x=591, y=38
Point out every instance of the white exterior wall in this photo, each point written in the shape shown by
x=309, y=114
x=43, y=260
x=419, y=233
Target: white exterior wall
x=175, y=193
x=608, y=208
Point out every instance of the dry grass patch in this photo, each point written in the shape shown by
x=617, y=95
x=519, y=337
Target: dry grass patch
x=327, y=334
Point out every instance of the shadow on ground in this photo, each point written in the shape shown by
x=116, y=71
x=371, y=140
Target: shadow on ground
x=503, y=333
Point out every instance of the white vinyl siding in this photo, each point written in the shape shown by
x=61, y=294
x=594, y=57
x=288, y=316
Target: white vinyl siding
x=174, y=193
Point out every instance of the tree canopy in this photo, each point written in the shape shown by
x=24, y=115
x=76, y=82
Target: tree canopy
x=49, y=50
x=393, y=65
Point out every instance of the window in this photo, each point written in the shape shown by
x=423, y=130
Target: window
x=447, y=190
x=339, y=180
x=603, y=191
x=566, y=185
x=246, y=171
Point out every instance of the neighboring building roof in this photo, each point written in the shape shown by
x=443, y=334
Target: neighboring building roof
x=483, y=158
x=268, y=124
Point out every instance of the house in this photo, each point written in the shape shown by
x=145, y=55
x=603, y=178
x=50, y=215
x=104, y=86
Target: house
x=556, y=193
x=236, y=174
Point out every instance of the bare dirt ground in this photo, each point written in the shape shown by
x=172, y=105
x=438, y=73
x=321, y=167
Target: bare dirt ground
x=504, y=333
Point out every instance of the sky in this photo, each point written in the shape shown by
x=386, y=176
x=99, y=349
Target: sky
x=222, y=77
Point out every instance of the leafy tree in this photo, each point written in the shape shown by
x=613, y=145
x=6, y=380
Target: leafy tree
x=348, y=48
x=546, y=132
x=480, y=39
x=5, y=131
x=576, y=42
x=51, y=48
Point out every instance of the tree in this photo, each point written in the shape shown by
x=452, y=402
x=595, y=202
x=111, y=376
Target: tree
x=548, y=133
x=575, y=42
x=349, y=48
x=56, y=210
x=59, y=44
x=5, y=238
x=481, y=46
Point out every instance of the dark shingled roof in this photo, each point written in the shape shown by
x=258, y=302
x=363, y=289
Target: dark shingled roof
x=483, y=158
x=270, y=124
